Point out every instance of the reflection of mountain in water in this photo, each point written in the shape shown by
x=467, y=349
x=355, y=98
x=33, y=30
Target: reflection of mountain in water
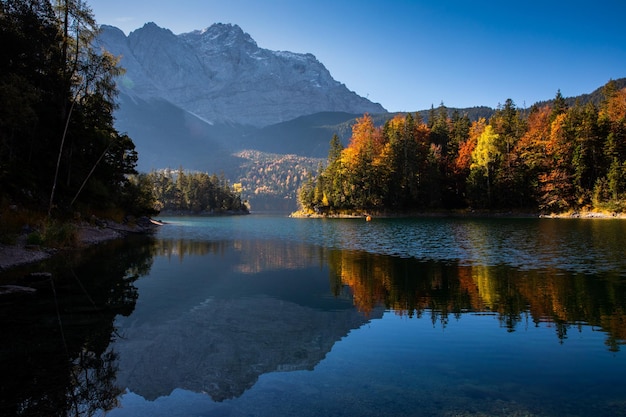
x=244, y=309
x=221, y=314
x=257, y=256
x=222, y=346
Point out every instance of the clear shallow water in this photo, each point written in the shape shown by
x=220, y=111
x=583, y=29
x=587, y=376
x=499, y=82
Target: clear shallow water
x=271, y=316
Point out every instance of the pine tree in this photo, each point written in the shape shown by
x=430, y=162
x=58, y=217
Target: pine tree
x=57, y=97
x=559, y=106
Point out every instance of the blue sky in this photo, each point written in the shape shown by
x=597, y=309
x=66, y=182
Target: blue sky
x=409, y=55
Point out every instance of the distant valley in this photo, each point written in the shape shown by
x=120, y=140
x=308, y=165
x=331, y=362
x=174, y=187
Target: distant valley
x=213, y=101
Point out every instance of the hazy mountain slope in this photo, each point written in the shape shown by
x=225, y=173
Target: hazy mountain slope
x=168, y=136
x=221, y=75
x=310, y=135
x=305, y=135
x=595, y=97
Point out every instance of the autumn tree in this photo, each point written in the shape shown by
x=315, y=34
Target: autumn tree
x=530, y=150
x=463, y=159
x=485, y=158
x=366, y=142
x=556, y=190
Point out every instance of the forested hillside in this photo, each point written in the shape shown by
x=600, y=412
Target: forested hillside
x=596, y=97
x=551, y=158
x=271, y=181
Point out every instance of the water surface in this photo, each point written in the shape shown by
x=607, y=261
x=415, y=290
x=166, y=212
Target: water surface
x=267, y=316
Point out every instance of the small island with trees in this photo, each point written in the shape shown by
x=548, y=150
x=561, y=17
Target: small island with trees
x=197, y=193
x=551, y=158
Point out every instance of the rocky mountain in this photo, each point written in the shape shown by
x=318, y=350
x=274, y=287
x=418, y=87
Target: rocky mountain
x=221, y=75
x=213, y=101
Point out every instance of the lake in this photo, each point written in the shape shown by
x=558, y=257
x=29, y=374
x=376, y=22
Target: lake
x=265, y=315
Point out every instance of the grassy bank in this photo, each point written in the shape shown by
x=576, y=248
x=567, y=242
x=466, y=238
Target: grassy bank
x=28, y=236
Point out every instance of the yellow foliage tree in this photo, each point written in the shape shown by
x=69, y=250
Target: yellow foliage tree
x=487, y=151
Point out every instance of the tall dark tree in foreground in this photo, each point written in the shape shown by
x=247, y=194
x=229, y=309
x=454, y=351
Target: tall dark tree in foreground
x=31, y=93
x=610, y=190
x=58, y=146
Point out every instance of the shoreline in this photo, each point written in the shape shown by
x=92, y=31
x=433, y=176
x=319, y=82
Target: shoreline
x=583, y=214
x=20, y=253
x=417, y=214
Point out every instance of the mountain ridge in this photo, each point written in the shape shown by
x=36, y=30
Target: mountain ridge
x=220, y=74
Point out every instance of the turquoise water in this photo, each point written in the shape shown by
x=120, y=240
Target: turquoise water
x=265, y=315
x=578, y=245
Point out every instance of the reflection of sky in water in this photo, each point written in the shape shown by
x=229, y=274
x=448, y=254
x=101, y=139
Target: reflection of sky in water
x=471, y=364
x=263, y=277
x=578, y=245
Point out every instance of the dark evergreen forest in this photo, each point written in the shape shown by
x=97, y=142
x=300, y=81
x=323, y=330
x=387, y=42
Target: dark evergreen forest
x=59, y=150
x=193, y=192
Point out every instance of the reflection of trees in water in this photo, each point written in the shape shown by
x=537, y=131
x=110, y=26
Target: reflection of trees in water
x=404, y=285
x=255, y=256
x=184, y=247
x=93, y=384
x=408, y=286
x=568, y=300
x=54, y=357
x=259, y=256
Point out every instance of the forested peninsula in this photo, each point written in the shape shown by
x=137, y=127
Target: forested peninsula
x=551, y=158
x=62, y=162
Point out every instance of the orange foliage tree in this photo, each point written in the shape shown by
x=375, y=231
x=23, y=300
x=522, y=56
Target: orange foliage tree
x=365, y=146
x=555, y=185
x=554, y=158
